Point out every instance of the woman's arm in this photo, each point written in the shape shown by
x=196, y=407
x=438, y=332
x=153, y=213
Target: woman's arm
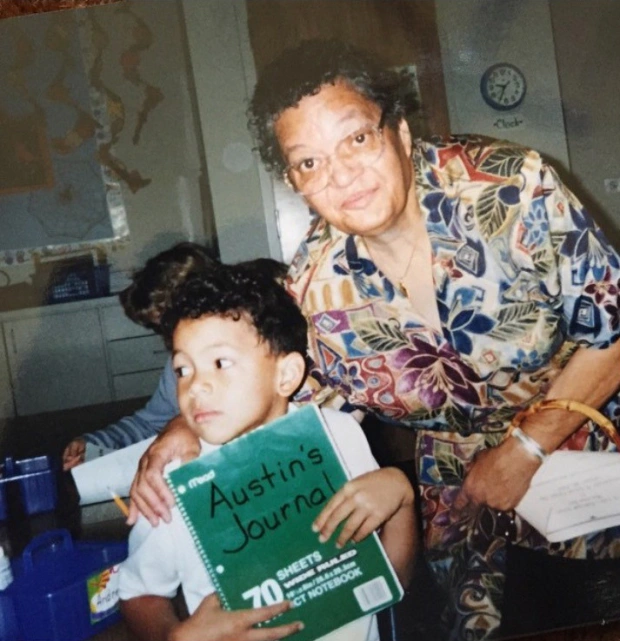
x=574, y=259
x=591, y=376
x=501, y=475
x=149, y=493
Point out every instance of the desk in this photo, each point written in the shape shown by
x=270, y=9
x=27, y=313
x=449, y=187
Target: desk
x=105, y=523
x=102, y=522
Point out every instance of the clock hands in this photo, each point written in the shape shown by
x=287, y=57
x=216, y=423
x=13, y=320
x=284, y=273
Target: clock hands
x=504, y=86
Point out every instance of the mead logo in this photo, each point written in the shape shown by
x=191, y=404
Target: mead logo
x=199, y=480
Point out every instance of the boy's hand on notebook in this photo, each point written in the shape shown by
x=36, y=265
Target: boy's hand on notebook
x=212, y=623
x=364, y=504
x=150, y=494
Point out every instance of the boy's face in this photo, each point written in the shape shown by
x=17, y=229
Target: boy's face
x=229, y=382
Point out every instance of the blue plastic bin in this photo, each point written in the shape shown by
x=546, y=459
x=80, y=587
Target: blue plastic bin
x=65, y=590
x=9, y=628
x=36, y=478
x=37, y=484
x=3, y=504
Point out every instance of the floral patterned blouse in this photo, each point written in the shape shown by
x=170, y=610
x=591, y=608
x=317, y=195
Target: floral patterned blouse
x=522, y=277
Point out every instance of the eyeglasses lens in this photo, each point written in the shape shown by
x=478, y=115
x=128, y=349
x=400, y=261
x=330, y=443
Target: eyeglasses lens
x=360, y=149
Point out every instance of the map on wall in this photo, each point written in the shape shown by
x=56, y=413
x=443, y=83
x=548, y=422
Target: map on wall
x=55, y=193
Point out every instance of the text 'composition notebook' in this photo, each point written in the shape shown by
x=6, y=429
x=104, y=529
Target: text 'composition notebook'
x=249, y=506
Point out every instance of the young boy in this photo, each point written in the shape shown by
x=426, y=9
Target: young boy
x=144, y=302
x=239, y=344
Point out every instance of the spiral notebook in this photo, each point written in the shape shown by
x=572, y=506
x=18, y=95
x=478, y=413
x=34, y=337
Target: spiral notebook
x=249, y=506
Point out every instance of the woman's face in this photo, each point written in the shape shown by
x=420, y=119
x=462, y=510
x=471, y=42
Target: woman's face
x=362, y=200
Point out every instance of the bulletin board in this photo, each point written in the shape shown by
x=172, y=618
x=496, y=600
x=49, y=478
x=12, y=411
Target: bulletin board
x=57, y=193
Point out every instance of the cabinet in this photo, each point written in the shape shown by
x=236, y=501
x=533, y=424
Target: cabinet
x=57, y=361
x=136, y=356
x=75, y=354
x=6, y=394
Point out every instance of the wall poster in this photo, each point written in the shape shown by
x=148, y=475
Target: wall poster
x=57, y=193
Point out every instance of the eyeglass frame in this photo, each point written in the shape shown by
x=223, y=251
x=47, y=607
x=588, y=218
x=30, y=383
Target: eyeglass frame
x=379, y=127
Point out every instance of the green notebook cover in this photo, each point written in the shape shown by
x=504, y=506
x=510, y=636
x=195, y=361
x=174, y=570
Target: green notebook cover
x=249, y=506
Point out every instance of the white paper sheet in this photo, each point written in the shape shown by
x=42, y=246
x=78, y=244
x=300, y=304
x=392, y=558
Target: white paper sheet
x=114, y=471
x=573, y=493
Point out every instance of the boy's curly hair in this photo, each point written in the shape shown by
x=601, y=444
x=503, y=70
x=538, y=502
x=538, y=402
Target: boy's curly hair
x=236, y=291
x=302, y=71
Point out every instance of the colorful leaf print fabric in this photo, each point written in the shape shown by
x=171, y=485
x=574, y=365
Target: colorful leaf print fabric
x=523, y=277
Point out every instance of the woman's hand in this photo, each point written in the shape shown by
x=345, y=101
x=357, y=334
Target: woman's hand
x=212, y=623
x=498, y=478
x=149, y=493
x=365, y=503
x=74, y=453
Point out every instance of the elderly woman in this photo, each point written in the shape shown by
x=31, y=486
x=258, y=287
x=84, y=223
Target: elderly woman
x=448, y=285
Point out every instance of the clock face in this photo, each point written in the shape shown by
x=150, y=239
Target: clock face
x=503, y=86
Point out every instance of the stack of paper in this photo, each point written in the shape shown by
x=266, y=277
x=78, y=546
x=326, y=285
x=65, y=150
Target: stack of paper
x=572, y=494
x=112, y=472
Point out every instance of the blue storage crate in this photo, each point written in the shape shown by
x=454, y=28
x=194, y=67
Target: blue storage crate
x=3, y=503
x=65, y=590
x=37, y=484
x=36, y=478
x=77, y=282
x=9, y=628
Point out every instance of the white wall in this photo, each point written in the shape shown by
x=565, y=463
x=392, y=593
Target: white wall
x=475, y=34
x=224, y=75
x=568, y=50
x=170, y=208
x=587, y=40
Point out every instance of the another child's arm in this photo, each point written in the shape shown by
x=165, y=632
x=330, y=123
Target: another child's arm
x=74, y=453
x=152, y=618
x=381, y=498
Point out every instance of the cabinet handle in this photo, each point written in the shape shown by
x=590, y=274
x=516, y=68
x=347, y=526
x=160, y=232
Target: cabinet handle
x=13, y=341
x=160, y=351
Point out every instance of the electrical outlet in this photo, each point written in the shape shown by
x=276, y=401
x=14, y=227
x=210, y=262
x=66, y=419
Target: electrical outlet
x=612, y=185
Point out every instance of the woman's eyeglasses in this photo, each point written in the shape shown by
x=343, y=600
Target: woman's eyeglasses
x=360, y=149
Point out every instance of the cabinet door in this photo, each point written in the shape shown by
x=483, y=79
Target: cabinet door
x=6, y=395
x=57, y=361
x=116, y=325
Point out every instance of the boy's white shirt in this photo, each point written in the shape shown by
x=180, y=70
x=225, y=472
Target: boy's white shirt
x=163, y=558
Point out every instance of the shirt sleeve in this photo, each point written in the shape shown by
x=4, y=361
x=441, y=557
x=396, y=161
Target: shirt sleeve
x=585, y=265
x=151, y=567
x=351, y=442
x=146, y=422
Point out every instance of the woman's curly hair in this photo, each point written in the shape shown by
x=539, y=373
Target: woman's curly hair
x=302, y=71
x=234, y=291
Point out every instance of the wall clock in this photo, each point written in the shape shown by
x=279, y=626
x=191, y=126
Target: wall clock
x=503, y=86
